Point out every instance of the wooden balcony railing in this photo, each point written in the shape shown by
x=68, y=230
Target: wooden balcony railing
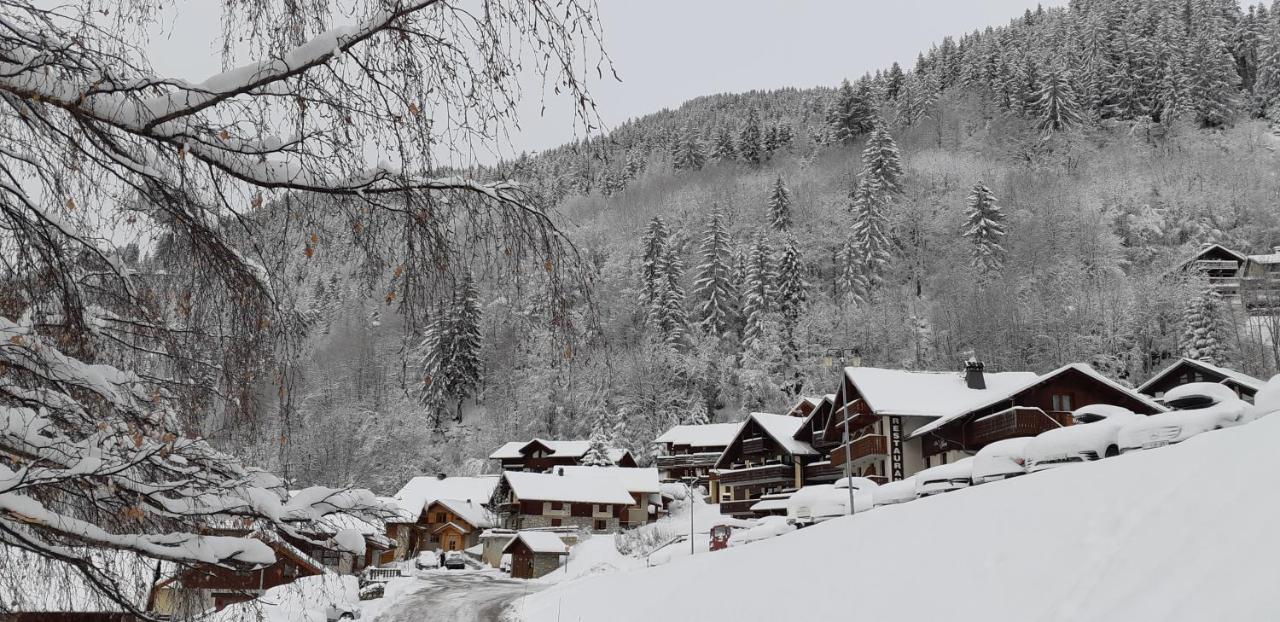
x=1014, y=422
x=822, y=471
x=758, y=475
x=737, y=508
x=861, y=450
x=753, y=446
x=687, y=460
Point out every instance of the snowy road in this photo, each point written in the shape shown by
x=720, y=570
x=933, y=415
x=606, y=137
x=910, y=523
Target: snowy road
x=463, y=596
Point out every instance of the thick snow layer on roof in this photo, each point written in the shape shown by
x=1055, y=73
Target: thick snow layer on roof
x=634, y=480
x=783, y=430
x=1239, y=378
x=471, y=511
x=420, y=491
x=579, y=488
x=1082, y=542
x=1007, y=387
x=710, y=435
x=1270, y=258
x=930, y=394
x=539, y=542
x=559, y=449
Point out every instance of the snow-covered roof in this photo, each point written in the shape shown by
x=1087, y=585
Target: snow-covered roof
x=930, y=394
x=709, y=435
x=1241, y=379
x=633, y=479
x=559, y=449
x=577, y=488
x=471, y=511
x=420, y=491
x=783, y=430
x=1268, y=259
x=1008, y=389
x=772, y=503
x=1208, y=247
x=539, y=542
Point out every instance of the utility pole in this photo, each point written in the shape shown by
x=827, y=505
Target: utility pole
x=832, y=356
x=688, y=483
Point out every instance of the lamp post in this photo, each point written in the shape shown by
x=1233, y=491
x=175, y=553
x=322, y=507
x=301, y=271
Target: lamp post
x=855, y=357
x=688, y=483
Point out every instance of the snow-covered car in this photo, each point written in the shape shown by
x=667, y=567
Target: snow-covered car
x=764, y=528
x=1198, y=407
x=1093, y=437
x=454, y=560
x=895, y=492
x=944, y=478
x=1001, y=460
x=817, y=503
x=371, y=591
x=342, y=611
x=864, y=484
x=427, y=560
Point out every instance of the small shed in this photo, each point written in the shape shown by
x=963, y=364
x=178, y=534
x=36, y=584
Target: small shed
x=535, y=553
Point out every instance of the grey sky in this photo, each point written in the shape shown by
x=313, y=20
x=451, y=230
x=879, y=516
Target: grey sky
x=668, y=51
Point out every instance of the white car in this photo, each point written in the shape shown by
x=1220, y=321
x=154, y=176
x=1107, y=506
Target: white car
x=894, y=492
x=1001, y=460
x=1198, y=407
x=858, y=483
x=945, y=478
x=1093, y=437
x=427, y=560
x=341, y=611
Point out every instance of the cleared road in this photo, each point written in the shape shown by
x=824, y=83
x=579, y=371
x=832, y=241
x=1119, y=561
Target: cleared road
x=458, y=596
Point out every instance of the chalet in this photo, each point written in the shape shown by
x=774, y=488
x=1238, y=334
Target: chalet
x=411, y=530
x=689, y=451
x=534, y=500
x=822, y=431
x=1260, y=283
x=540, y=456
x=763, y=458
x=1221, y=265
x=316, y=536
x=454, y=524
x=1185, y=371
x=980, y=416
x=804, y=407
x=535, y=553
x=642, y=484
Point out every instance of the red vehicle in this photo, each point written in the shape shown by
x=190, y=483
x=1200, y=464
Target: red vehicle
x=720, y=537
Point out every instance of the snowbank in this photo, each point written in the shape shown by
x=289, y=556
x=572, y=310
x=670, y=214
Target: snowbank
x=1180, y=533
x=305, y=600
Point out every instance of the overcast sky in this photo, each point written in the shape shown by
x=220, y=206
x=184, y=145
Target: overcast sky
x=668, y=51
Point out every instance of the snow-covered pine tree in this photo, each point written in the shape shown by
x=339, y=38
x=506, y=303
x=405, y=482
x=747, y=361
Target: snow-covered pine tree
x=724, y=149
x=985, y=229
x=467, y=368
x=852, y=283
x=1211, y=70
x=780, y=206
x=851, y=114
x=893, y=81
x=881, y=162
x=793, y=289
x=673, y=320
x=598, y=451
x=689, y=154
x=1267, y=86
x=652, y=269
x=697, y=412
x=713, y=286
x=1204, y=328
x=881, y=179
x=1056, y=107
x=759, y=283
x=750, y=142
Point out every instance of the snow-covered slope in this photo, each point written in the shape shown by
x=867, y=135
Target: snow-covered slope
x=1187, y=532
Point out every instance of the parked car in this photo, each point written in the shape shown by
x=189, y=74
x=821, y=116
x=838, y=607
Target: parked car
x=1001, y=460
x=1093, y=437
x=370, y=591
x=895, y=492
x=1198, y=407
x=454, y=560
x=342, y=611
x=427, y=560
x=945, y=478
x=858, y=483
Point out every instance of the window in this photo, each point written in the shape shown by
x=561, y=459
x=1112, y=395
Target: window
x=555, y=522
x=441, y=517
x=1062, y=403
x=557, y=505
x=601, y=524
x=329, y=557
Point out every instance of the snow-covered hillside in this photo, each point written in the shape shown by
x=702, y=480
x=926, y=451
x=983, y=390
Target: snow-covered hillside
x=1187, y=532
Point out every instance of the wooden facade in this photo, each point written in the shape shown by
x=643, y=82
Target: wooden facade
x=1187, y=371
x=202, y=587
x=540, y=457
x=756, y=464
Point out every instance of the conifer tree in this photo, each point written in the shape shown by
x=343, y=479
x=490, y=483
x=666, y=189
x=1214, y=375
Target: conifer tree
x=893, y=81
x=869, y=249
x=600, y=447
x=985, y=229
x=881, y=163
x=1266, y=88
x=758, y=285
x=689, y=155
x=750, y=143
x=724, y=149
x=1211, y=70
x=780, y=207
x=1055, y=103
x=713, y=286
x=851, y=114
x=450, y=351
x=1204, y=330
x=793, y=289
x=652, y=268
x=673, y=321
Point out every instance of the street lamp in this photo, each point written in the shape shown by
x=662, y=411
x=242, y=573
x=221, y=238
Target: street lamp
x=688, y=483
x=852, y=357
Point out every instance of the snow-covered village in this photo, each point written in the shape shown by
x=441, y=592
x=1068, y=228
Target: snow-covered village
x=610, y=311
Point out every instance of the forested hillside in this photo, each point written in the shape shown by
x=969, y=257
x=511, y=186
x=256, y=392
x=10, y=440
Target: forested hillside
x=1019, y=194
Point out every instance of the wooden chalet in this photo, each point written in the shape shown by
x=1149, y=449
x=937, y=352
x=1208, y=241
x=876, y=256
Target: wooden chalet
x=1221, y=265
x=1260, y=283
x=687, y=452
x=821, y=430
x=453, y=524
x=1185, y=371
x=764, y=458
x=641, y=483
x=535, y=553
x=562, y=499
x=416, y=528
x=315, y=535
x=540, y=456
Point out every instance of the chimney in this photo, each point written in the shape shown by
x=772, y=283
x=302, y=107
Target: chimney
x=973, y=377
x=560, y=471
x=441, y=476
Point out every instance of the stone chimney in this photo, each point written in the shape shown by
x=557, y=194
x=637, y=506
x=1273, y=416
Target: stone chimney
x=973, y=377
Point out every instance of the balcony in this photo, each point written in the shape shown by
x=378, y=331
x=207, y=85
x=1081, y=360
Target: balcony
x=758, y=475
x=686, y=461
x=822, y=472
x=753, y=446
x=1014, y=422
x=862, y=450
x=1217, y=264
x=738, y=508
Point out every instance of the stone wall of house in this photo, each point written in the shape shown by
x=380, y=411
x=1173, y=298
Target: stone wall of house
x=586, y=523
x=545, y=564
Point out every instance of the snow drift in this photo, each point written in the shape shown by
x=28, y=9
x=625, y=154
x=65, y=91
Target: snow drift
x=1185, y=532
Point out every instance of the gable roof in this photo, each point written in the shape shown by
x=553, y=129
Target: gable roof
x=1006, y=392
x=1210, y=247
x=573, y=488
x=1242, y=379
x=928, y=393
x=421, y=491
x=558, y=449
x=709, y=435
x=472, y=512
x=632, y=479
x=539, y=542
x=782, y=429
x=1268, y=259
x=828, y=399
